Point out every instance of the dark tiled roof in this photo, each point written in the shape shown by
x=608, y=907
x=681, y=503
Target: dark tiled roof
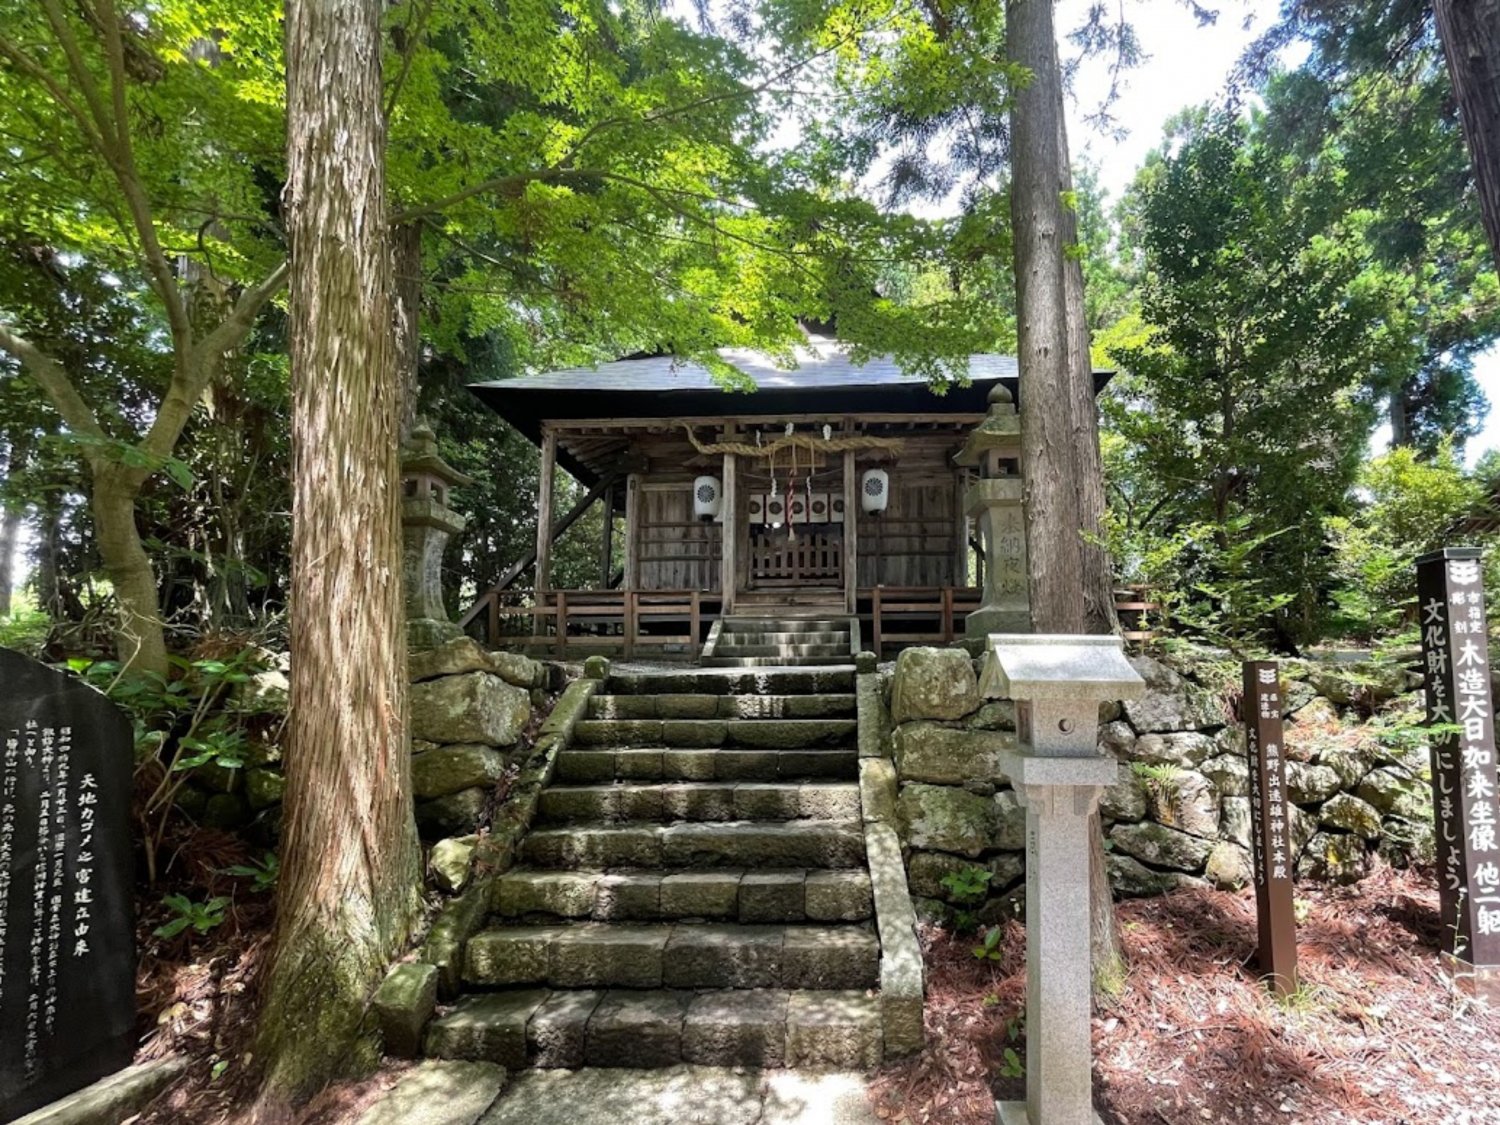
x=819, y=367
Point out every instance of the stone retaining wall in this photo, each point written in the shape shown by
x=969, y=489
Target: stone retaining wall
x=471, y=714
x=1357, y=775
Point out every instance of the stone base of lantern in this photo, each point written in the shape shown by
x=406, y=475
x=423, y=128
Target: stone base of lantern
x=989, y=619
x=425, y=633
x=1014, y=1113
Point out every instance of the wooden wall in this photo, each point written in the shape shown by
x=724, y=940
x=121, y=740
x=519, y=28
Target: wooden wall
x=916, y=543
x=677, y=552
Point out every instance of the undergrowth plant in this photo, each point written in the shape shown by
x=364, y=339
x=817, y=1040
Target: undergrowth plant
x=182, y=722
x=966, y=889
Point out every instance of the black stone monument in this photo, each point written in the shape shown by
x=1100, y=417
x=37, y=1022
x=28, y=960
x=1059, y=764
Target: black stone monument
x=67, y=947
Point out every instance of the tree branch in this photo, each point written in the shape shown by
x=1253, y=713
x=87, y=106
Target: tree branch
x=198, y=365
x=34, y=70
x=54, y=381
x=130, y=183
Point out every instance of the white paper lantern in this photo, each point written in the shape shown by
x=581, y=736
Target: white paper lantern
x=874, y=491
x=708, y=496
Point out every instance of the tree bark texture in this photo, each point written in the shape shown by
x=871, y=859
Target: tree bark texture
x=1470, y=33
x=349, y=877
x=1099, y=614
x=140, y=638
x=1047, y=427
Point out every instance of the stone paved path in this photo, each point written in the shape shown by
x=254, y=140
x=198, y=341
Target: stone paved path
x=682, y=1095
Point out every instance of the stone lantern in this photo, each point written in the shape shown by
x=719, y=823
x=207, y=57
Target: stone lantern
x=427, y=523
x=993, y=501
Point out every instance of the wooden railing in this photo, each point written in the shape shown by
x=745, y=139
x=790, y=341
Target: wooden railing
x=662, y=622
x=815, y=557
x=579, y=622
x=916, y=615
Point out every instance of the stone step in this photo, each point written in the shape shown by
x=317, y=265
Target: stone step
x=751, y=647
x=674, y=955
x=774, y=662
x=758, y=844
x=769, y=637
x=684, y=706
x=810, y=624
x=770, y=734
x=701, y=800
x=783, y=681
x=646, y=763
x=660, y=1028
x=772, y=895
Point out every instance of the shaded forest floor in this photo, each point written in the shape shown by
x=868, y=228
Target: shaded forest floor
x=1376, y=1032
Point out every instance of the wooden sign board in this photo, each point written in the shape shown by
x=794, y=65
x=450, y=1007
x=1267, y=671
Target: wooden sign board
x=1456, y=663
x=1270, y=826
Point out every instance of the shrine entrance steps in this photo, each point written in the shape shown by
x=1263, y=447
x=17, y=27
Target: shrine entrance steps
x=695, y=888
x=780, y=642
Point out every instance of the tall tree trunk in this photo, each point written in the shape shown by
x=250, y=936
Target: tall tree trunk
x=406, y=243
x=10, y=523
x=349, y=889
x=1400, y=419
x=140, y=639
x=1099, y=614
x=1047, y=427
x=1470, y=33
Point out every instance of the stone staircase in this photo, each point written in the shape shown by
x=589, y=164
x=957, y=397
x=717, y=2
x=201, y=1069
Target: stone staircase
x=694, y=888
x=755, y=642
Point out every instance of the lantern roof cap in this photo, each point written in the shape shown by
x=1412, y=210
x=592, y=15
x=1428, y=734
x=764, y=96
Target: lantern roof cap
x=1001, y=429
x=419, y=454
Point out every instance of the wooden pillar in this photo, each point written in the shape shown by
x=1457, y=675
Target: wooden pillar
x=729, y=535
x=544, y=513
x=961, y=530
x=851, y=533
x=632, y=532
x=607, y=540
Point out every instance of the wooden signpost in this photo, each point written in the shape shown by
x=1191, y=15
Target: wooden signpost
x=1456, y=662
x=1277, y=951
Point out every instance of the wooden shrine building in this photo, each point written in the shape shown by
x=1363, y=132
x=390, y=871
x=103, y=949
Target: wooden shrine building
x=828, y=510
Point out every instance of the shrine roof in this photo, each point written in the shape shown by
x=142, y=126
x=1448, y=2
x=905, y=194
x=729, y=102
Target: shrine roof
x=825, y=379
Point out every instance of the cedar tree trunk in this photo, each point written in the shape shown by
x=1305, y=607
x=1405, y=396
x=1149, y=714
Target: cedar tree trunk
x=349, y=871
x=1071, y=585
x=1047, y=428
x=1470, y=33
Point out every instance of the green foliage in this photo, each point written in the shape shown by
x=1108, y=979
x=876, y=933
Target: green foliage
x=989, y=949
x=263, y=872
x=201, y=917
x=1012, y=1065
x=967, y=888
x=1244, y=410
x=968, y=885
x=25, y=629
x=1408, y=506
x=191, y=720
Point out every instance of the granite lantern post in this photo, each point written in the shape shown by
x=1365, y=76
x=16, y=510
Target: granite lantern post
x=1057, y=683
x=993, y=500
x=427, y=523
